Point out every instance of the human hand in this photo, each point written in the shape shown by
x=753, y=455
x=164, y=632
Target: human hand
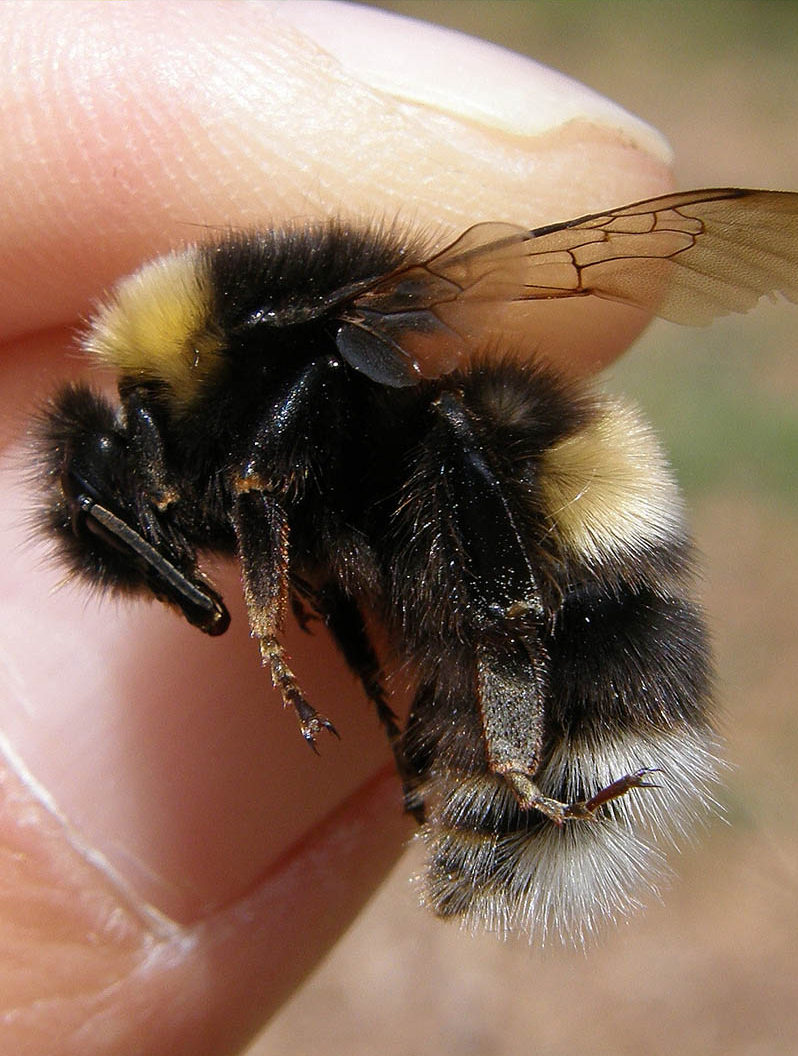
x=174, y=858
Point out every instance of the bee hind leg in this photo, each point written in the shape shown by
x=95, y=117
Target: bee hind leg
x=530, y=797
x=511, y=692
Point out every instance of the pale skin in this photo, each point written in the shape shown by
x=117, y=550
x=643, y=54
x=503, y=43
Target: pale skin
x=174, y=857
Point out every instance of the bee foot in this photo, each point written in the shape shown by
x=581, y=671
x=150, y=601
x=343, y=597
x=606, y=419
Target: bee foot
x=311, y=725
x=530, y=797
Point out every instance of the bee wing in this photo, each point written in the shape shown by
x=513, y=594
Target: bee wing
x=687, y=257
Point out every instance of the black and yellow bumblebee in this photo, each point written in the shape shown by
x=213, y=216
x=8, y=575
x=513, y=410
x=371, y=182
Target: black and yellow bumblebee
x=314, y=401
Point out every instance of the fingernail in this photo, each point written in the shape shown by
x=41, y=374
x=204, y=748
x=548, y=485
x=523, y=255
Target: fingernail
x=460, y=75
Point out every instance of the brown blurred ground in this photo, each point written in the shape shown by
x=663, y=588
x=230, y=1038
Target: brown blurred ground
x=714, y=970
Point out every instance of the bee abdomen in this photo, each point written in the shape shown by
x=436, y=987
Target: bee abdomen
x=499, y=867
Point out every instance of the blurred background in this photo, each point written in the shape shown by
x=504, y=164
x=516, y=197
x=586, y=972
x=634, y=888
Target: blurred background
x=714, y=968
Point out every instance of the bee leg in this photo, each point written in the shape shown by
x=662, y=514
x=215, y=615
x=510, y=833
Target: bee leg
x=311, y=723
x=511, y=689
x=346, y=625
x=144, y=438
x=261, y=527
x=508, y=601
x=345, y=622
x=530, y=797
x=303, y=614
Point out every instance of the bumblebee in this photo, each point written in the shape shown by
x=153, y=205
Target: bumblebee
x=314, y=401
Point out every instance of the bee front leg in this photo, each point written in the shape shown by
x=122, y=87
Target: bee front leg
x=144, y=438
x=262, y=531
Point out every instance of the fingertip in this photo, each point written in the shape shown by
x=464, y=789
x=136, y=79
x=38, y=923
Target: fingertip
x=455, y=74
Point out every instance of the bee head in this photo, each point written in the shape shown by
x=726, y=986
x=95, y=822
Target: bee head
x=98, y=511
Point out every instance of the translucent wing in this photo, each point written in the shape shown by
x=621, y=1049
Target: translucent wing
x=687, y=257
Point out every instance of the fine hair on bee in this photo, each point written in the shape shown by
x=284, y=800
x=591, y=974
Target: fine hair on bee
x=313, y=401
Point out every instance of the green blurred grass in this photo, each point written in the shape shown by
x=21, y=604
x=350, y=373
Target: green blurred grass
x=723, y=424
